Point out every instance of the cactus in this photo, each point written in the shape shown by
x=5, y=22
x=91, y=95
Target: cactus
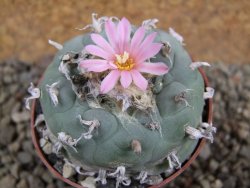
x=127, y=132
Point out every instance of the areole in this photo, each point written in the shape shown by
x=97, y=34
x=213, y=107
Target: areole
x=208, y=117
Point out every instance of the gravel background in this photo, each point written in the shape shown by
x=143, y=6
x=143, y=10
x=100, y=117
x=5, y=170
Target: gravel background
x=222, y=164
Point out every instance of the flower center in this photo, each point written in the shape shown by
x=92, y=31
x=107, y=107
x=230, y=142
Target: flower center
x=124, y=62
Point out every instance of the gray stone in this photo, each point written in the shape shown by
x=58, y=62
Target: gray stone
x=205, y=183
x=205, y=152
x=51, y=186
x=3, y=96
x=7, y=133
x=24, y=174
x=24, y=157
x=46, y=176
x=28, y=146
x=13, y=89
x=19, y=117
x=7, y=181
x=243, y=130
x=3, y=171
x=8, y=106
x=22, y=184
x=217, y=184
x=14, y=169
x=34, y=181
x=213, y=165
x=230, y=182
x=6, y=159
x=245, y=151
x=14, y=147
x=7, y=79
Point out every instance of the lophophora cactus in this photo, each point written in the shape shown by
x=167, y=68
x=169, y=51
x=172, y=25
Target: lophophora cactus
x=127, y=130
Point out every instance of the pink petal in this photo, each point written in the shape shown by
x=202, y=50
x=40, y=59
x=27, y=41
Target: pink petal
x=123, y=31
x=109, y=81
x=153, y=68
x=139, y=80
x=99, y=68
x=147, y=41
x=97, y=51
x=110, y=29
x=148, y=52
x=126, y=79
x=92, y=62
x=137, y=38
x=100, y=41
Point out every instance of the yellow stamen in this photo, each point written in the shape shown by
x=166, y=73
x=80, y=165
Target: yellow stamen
x=123, y=62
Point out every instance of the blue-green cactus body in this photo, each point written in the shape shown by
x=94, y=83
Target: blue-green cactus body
x=110, y=145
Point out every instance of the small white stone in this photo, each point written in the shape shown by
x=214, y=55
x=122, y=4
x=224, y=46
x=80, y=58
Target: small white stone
x=39, y=119
x=89, y=182
x=47, y=148
x=209, y=93
x=68, y=170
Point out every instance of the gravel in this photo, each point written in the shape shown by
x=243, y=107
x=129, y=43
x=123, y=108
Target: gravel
x=225, y=163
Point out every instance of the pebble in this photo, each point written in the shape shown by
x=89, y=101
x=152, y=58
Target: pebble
x=205, y=183
x=47, y=148
x=7, y=133
x=213, y=165
x=230, y=182
x=14, y=147
x=68, y=170
x=14, y=169
x=205, y=152
x=35, y=182
x=245, y=151
x=88, y=182
x=217, y=184
x=7, y=181
x=24, y=157
x=19, y=117
x=22, y=184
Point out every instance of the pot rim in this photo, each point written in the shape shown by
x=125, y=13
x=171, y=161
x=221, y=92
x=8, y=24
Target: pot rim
x=185, y=165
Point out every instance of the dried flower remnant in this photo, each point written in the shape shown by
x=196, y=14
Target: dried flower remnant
x=176, y=35
x=195, y=65
x=93, y=124
x=55, y=44
x=204, y=131
x=150, y=23
x=53, y=92
x=120, y=176
x=173, y=160
x=209, y=93
x=124, y=59
x=97, y=23
x=35, y=94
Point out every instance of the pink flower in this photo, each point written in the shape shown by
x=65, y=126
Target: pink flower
x=125, y=57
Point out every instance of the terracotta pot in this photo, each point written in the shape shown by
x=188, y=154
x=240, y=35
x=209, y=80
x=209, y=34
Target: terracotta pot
x=208, y=117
